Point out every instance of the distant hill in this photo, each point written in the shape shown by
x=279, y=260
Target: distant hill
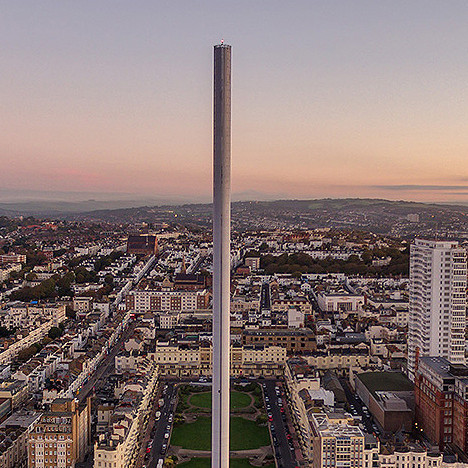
x=56, y=208
x=377, y=215
x=399, y=218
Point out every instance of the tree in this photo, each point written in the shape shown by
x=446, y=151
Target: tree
x=82, y=275
x=4, y=332
x=109, y=280
x=70, y=313
x=35, y=258
x=47, y=289
x=55, y=332
x=74, y=262
x=46, y=340
x=31, y=276
x=14, y=275
x=64, y=284
x=261, y=419
x=26, y=354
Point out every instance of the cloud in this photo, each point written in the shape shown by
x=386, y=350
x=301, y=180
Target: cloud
x=420, y=187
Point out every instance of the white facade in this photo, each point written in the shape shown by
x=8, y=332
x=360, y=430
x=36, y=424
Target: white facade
x=126, y=362
x=168, y=321
x=82, y=304
x=7, y=270
x=121, y=445
x=340, y=302
x=437, y=317
x=337, y=441
x=415, y=458
x=295, y=318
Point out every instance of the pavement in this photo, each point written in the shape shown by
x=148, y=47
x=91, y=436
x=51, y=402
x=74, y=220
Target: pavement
x=160, y=427
x=278, y=427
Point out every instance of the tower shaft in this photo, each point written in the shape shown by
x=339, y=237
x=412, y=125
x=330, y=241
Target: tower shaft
x=221, y=254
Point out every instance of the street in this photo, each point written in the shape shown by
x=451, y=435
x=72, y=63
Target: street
x=358, y=408
x=98, y=379
x=160, y=427
x=106, y=367
x=279, y=431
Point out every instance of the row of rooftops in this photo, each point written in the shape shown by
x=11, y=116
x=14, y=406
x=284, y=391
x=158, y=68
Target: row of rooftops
x=8, y=437
x=123, y=412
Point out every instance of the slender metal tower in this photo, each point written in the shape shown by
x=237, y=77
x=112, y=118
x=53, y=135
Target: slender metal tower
x=221, y=254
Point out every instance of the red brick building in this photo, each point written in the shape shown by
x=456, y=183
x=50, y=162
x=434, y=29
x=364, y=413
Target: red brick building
x=189, y=282
x=441, y=401
x=142, y=245
x=460, y=414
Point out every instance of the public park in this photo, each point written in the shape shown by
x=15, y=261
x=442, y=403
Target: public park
x=250, y=443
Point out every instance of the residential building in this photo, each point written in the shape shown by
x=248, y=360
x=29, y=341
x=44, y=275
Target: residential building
x=13, y=447
x=295, y=318
x=119, y=446
x=183, y=361
x=253, y=263
x=27, y=338
x=300, y=302
x=296, y=341
x=82, y=304
x=414, y=457
x=15, y=391
x=25, y=315
x=61, y=436
x=168, y=321
x=142, y=301
x=12, y=258
x=341, y=360
x=337, y=440
x=14, y=434
x=437, y=318
x=6, y=270
x=304, y=393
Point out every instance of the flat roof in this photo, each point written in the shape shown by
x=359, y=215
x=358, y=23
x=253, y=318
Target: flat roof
x=439, y=365
x=385, y=382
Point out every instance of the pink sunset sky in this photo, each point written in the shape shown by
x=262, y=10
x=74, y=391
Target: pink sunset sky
x=330, y=99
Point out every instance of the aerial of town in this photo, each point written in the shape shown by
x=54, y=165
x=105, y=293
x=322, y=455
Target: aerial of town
x=106, y=347
x=234, y=234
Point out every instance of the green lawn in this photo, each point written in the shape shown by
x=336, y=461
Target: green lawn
x=238, y=400
x=245, y=434
x=233, y=463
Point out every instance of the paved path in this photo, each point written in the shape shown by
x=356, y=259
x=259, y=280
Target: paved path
x=256, y=456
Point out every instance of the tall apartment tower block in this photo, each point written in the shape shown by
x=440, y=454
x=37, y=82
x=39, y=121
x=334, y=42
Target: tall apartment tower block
x=437, y=307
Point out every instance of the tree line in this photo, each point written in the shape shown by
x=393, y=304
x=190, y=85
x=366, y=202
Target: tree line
x=300, y=263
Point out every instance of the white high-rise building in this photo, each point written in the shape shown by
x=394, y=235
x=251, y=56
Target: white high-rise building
x=437, y=317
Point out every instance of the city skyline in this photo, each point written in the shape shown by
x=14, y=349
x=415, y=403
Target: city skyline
x=354, y=100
